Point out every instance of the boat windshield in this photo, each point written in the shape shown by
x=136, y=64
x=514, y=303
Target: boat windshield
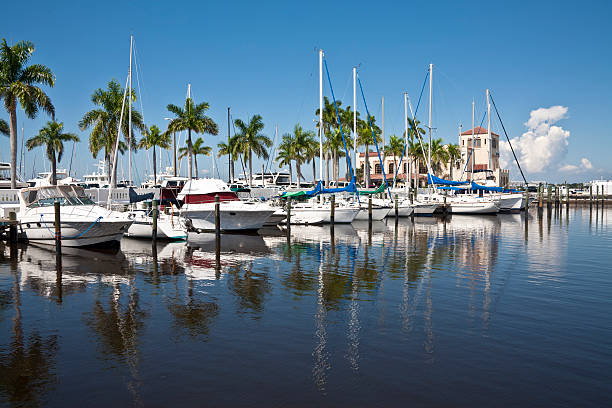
x=47, y=196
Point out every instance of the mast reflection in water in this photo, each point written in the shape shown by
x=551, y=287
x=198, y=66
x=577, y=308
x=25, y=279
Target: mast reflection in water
x=461, y=311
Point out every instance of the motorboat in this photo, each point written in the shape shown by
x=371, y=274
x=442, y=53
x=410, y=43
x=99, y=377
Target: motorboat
x=45, y=179
x=198, y=209
x=83, y=223
x=169, y=226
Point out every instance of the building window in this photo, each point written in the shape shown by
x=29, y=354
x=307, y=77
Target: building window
x=391, y=168
x=494, y=143
x=476, y=142
x=422, y=168
x=405, y=171
x=377, y=168
x=463, y=143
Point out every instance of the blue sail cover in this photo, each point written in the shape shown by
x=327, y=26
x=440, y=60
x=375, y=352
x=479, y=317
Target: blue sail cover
x=476, y=186
x=351, y=188
x=451, y=188
x=431, y=179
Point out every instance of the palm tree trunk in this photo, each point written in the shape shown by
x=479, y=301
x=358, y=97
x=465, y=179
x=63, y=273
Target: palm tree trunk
x=326, y=169
x=195, y=162
x=232, y=170
x=290, y=174
x=154, y=168
x=13, y=140
x=314, y=171
x=189, y=158
x=298, y=171
x=250, y=168
x=53, y=170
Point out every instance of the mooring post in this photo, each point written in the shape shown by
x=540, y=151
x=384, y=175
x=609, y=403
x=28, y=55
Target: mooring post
x=217, y=219
x=597, y=195
x=396, y=206
x=154, y=214
x=548, y=197
x=370, y=209
x=332, y=209
x=12, y=227
x=58, y=229
x=591, y=195
x=526, y=206
x=288, y=215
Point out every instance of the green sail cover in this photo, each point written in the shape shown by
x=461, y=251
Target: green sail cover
x=379, y=190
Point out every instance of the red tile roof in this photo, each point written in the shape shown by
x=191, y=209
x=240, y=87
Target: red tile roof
x=478, y=130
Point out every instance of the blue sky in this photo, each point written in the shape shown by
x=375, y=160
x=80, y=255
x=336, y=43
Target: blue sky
x=260, y=57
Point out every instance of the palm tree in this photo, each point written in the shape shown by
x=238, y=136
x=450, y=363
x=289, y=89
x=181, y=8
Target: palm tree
x=18, y=83
x=302, y=141
x=104, y=122
x=286, y=154
x=364, y=138
x=52, y=136
x=454, y=154
x=4, y=128
x=414, y=148
x=192, y=118
x=251, y=140
x=395, y=148
x=196, y=149
x=335, y=147
x=151, y=140
x=228, y=148
x=312, y=153
x=439, y=155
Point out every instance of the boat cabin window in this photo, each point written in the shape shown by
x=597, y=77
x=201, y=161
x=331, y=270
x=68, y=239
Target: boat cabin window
x=47, y=196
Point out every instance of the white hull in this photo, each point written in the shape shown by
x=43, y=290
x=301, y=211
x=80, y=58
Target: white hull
x=103, y=232
x=425, y=210
x=166, y=229
x=234, y=215
x=511, y=202
x=477, y=207
x=378, y=213
x=305, y=214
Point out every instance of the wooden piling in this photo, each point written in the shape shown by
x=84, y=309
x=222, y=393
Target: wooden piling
x=396, y=206
x=12, y=227
x=526, y=204
x=540, y=199
x=591, y=194
x=288, y=216
x=370, y=209
x=217, y=217
x=549, y=197
x=58, y=229
x=332, y=209
x=154, y=214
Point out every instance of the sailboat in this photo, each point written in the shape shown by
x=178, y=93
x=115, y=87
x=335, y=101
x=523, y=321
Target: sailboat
x=319, y=212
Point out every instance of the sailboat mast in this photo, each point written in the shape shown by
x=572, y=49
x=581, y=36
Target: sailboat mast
x=429, y=125
x=489, y=166
x=406, y=141
x=229, y=153
x=320, y=114
x=355, y=115
x=383, y=127
x=130, y=113
x=472, y=154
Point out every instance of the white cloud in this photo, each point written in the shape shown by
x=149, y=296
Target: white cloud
x=543, y=147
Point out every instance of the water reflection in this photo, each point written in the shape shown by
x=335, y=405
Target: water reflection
x=343, y=297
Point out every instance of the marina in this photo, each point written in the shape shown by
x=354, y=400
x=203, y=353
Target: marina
x=284, y=204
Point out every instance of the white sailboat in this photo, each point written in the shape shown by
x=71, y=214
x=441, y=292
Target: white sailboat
x=169, y=226
x=319, y=212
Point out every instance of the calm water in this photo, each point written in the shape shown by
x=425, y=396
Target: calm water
x=472, y=311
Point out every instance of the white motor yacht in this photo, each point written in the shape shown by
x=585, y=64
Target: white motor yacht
x=83, y=223
x=198, y=209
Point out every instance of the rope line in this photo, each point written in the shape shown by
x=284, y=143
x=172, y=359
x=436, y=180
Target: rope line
x=97, y=221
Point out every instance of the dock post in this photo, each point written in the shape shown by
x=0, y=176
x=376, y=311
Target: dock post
x=445, y=210
x=58, y=229
x=591, y=195
x=332, y=209
x=370, y=209
x=548, y=198
x=396, y=207
x=154, y=213
x=217, y=219
x=288, y=216
x=12, y=227
x=597, y=195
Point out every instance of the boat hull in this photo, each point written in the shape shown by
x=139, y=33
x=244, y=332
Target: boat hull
x=474, y=208
x=76, y=233
x=165, y=229
x=511, y=202
x=424, y=209
x=233, y=215
x=378, y=213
